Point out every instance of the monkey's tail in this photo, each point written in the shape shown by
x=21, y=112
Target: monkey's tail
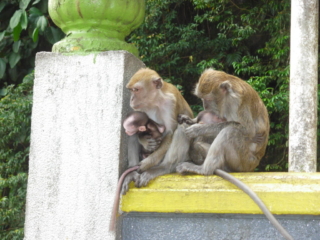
x=116, y=201
x=256, y=199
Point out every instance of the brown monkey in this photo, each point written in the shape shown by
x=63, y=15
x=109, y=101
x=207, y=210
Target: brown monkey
x=140, y=123
x=162, y=102
x=240, y=141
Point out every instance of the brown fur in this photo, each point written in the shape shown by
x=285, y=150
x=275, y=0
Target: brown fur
x=240, y=142
x=162, y=102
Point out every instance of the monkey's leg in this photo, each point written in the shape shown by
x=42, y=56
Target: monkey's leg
x=133, y=176
x=215, y=157
x=177, y=152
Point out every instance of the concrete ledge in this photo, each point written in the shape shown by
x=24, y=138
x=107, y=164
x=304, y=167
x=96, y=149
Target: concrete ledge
x=283, y=193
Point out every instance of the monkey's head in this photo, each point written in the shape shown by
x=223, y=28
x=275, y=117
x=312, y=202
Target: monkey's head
x=214, y=88
x=145, y=86
x=209, y=117
x=135, y=122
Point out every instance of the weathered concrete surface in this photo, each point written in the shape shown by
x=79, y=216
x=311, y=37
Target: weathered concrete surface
x=303, y=85
x=76, y=143
x=155, y=226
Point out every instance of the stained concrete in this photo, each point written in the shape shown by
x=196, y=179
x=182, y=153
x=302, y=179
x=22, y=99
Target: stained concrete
x=78, y=145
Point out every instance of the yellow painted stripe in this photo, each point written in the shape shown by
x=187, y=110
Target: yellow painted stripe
x=283, y=193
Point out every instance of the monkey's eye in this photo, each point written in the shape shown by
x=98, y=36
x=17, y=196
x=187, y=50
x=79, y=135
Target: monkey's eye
x=134, y=89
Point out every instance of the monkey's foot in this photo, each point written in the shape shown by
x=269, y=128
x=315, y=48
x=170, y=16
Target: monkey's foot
x=133, y=176
x=144, y=179
x=187, y=167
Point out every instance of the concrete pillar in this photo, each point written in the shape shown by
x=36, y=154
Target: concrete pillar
x=78, y=145
x=303, y=86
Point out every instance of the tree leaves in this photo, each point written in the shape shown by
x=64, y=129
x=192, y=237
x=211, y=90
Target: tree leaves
x=2, y=67
x=26, y=22
x=15, y=122
x=14, y=58
x=15, y=19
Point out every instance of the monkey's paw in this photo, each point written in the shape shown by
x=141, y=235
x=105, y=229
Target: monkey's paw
x=191, y=132
x=144, y=179
x=184, y=119
x=182, y=168
x=133, y=176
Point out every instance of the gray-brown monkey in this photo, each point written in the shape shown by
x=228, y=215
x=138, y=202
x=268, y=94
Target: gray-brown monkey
x=240, y=141
x=139, y=123
x=162, y=102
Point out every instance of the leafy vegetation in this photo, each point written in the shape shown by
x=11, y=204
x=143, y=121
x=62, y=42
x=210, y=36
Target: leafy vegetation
x=25, y=29
x=15, y=120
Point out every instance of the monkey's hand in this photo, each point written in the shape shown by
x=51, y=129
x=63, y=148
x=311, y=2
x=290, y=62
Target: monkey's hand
x=133, y=176
x=150, y=144
x=185, y=119
x=194, y=130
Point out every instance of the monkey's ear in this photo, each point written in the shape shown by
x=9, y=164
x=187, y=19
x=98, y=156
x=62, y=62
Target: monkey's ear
x=158, y=83
x=226, y=87
x=161, y=128
x=142, y=128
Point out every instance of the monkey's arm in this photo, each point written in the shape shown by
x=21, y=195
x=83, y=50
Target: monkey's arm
x=207, y=130
x=156, y=157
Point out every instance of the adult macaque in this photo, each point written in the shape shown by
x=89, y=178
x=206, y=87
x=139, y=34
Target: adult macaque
x=162, y=102
x=240, y=141
x=139, y=123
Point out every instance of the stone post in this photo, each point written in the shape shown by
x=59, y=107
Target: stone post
x=78, y=146
x=303, y=86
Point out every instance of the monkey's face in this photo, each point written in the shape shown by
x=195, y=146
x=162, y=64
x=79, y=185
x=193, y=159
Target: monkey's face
x=130, y=129
x=143, y=95
x=138, y=96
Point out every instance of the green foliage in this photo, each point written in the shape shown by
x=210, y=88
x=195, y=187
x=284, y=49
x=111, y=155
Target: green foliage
x=15, y=125
x=250, y=39
x=25, y=29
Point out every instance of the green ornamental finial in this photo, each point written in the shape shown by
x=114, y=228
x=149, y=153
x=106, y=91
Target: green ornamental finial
x=96, y=25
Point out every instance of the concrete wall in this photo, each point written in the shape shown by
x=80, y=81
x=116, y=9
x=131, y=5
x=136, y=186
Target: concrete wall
x=166, y=226
x=77, y=143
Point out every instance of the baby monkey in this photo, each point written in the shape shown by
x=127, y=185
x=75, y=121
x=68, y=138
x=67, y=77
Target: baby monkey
x=150, y=137
x=200, y=145
x=149, y=131
x=208, y=117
